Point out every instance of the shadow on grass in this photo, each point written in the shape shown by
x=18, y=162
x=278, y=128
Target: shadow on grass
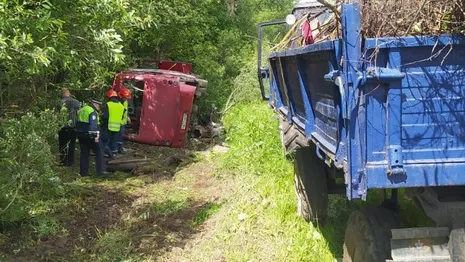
x=171, y=224
x=93, y=206
x=340, y=209
x=87, y=211
x=333, y=229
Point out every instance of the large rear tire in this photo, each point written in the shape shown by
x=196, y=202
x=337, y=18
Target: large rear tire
x=291, y=138
x=310, y=185
x=457, y=245
x=368, y=235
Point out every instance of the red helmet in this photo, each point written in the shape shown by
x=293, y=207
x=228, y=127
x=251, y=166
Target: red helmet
x=111, y=93
x=125, y=93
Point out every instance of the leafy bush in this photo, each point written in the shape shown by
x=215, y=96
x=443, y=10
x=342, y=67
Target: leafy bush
x=26, y=173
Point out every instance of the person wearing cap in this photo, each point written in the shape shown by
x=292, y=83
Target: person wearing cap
x=88, y=133
x=124, y=95
x=111, y=123
x=67, y=134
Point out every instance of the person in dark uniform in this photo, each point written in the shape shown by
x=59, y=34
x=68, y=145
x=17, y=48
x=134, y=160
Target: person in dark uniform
x=88, y=133
x=67, y=134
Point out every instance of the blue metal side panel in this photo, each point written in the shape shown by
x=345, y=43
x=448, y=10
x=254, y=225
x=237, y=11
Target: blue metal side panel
x=275, y=96
x=424, y=175
x=424, y=112
x=315, y=103
x=323, y=46
x=277, y=75
x=291, y=77
x=323, y=96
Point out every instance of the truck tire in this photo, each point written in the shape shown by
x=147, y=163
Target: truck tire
x=291, y=138
x=457, y=245
x=368, y=235
x=310, y=185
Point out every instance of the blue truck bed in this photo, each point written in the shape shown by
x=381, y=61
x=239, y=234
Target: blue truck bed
x=389, y=111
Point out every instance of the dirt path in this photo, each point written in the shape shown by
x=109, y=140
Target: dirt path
x=149, y=215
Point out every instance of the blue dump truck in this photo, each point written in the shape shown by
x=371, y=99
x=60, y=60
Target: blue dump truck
x=360, y=114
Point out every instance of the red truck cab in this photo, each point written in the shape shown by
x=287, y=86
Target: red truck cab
x=162, y=102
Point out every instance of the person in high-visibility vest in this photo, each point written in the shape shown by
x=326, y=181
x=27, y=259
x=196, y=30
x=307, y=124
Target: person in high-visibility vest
x=88, y=133
x=111, y=122
x=124, y=95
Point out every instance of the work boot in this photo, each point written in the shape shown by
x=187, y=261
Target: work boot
x=104, y=173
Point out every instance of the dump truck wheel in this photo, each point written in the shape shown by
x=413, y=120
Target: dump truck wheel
x=457, y=245
x=310, y=185
x=368, y=235
x=291, y=139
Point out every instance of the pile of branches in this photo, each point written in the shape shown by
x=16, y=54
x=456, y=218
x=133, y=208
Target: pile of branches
x=384, y=18
x=391, y=18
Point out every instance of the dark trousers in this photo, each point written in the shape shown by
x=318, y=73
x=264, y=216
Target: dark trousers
x=67, y=144
x=109, y=141
x=87, y=143
x=120, y=140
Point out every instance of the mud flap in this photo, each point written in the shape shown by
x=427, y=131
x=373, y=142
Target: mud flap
x=420, y=244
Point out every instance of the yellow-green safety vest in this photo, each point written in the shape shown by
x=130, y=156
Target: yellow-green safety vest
x=125, y=116
x=115, y=111
x=84, y=113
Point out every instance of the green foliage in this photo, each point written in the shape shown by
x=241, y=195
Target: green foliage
x=65, y=43
x=26, y=174
x=44, y=226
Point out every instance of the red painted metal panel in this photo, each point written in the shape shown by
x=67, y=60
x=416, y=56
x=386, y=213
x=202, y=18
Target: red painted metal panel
x=166, y=106
x=182, y=67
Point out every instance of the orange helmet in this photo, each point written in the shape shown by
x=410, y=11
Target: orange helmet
x=111, y=93
x=125, y=93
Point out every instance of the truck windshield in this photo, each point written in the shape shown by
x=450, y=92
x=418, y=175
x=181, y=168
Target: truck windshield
x=137, y=89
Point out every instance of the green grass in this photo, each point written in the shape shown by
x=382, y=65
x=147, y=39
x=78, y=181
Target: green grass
x=259, y=222
x=205, y=212
x=170, y=206
x=113, y=245
x=268, y=197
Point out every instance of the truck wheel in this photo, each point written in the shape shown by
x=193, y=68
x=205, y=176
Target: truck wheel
x=368, y=235
x=291, y=139
x=310, y=185
x=457, y=245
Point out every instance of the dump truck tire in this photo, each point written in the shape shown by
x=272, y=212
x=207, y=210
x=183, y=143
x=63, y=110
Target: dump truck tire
x=457, y=245
x=368, y=235
x=310, y=185
x=291, y=138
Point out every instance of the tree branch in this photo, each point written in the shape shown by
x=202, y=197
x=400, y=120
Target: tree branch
x=330, y=6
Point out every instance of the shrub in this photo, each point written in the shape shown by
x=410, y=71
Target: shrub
x=26, y=159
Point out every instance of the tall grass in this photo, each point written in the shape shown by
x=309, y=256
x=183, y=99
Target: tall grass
x=262, y=223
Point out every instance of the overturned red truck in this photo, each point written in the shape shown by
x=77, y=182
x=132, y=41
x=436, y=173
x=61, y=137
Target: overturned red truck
x=162, y=103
